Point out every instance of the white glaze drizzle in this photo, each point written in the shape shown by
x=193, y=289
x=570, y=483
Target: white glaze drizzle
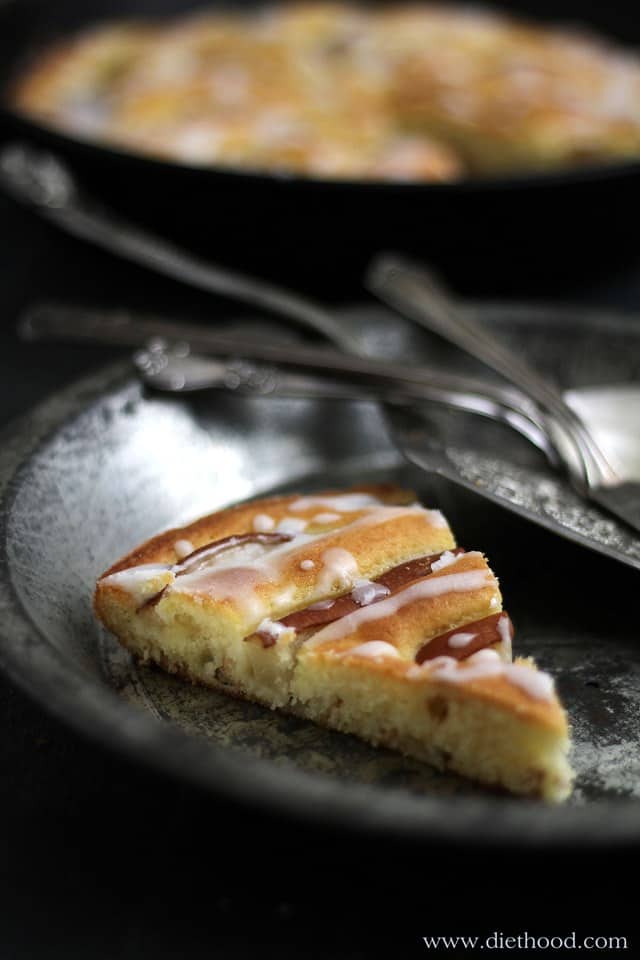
x=366, y=592
x=321, y=605
x=339, y=568
x=535, y=683
x=473, y=668
x=348, y=502
x=423, y=589
x=273, y=629
x=137, y=573
x=503, y=630
x=460, y=640
x=437, y=519
x=482, y=664
x=137, y=581
x=236, y=553
x=418, y=671
x=372, y=650
x=307, y=564
x=183, y=548
x=505, y=637
x=322, y=518
x=485, y=655
x=291, y=525
x=341, y=503
x=380, y=515
x=263, y=523
x=236, y=573
x=446, y=560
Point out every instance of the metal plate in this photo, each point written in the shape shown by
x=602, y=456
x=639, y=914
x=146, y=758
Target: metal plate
x=102, y=466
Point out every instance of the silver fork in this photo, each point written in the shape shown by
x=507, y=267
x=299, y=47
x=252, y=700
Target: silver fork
x=42, y=181
x=416, y=293
x=183, y=357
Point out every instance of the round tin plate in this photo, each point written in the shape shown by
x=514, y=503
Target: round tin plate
x=103, y=465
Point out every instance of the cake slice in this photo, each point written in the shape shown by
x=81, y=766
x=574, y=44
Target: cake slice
x=357, y=610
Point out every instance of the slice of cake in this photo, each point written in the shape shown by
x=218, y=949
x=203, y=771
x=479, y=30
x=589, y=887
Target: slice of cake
x=357, y=610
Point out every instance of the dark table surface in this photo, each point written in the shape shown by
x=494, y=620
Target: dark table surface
x=102, y=858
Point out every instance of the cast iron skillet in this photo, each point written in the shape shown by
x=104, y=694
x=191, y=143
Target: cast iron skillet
x=527, y=229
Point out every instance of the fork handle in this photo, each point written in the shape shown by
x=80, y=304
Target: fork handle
x=43, y=181
x=416, y=293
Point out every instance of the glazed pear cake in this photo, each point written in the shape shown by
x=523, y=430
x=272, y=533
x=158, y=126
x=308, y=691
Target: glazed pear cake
x=356, y=610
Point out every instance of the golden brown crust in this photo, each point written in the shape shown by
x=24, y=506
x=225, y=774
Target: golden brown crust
x=238, y=519
x=374, y=542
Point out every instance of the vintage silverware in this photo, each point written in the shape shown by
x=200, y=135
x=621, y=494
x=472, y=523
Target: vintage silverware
x=100, y=467
x=168, y=362
x=175, y=369
x=520, y=482
x=297, y=370
x=42, y=181
x=414, y=291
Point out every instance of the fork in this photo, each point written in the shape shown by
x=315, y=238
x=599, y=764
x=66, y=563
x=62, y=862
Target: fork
x=43, y=181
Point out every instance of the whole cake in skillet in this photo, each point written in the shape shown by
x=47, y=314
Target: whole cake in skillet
x=402, y=91
x=357, y=610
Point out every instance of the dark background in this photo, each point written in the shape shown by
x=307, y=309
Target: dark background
x=103, y=859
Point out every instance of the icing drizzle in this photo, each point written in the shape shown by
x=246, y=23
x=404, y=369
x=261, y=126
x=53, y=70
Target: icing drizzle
x=422, y=590
x=206, y=553
x=372, y=650
x=339, y=503
x=487, y=663
x=270, y=631
x=326, y=611
x=235, y=568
